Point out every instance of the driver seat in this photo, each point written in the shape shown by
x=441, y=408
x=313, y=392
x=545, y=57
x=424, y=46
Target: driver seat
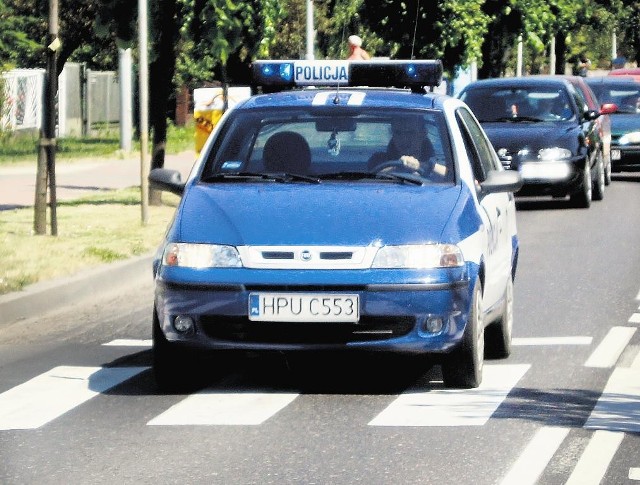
x=287, y=152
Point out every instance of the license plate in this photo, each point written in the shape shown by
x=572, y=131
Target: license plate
x=303, y=307
x=615, y=155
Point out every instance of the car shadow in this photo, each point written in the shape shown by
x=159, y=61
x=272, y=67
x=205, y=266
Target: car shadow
x=537, y=203
x=626, y=177
x=305, y=373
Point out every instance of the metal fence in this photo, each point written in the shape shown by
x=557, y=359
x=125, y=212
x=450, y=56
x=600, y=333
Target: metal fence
x=88, y=101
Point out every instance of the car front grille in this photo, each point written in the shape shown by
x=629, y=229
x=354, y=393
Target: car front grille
x=241, y=329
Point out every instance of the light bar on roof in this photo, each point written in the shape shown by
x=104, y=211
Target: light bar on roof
x=382, y=73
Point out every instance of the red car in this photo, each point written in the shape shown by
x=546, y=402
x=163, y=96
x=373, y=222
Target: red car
x=627, y=71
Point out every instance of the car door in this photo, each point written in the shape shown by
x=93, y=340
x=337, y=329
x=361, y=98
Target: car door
x=497, y=209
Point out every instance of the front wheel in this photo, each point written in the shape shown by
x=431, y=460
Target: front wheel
x=582, y=198
x=173, y=368
x=599, y=180
x=462, y=368
x=498, y=334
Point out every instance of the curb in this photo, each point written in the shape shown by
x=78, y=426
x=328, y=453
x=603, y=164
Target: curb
x=46, y=296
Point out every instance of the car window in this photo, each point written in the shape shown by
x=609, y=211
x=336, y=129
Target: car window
x=480, y=151
x=314, y=142
x=625, y=96
x=499, y=103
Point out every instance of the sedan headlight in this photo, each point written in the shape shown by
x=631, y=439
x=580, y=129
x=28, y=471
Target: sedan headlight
x=632, y=138
x=201, y=256
x=552, y=154
x=423, y=256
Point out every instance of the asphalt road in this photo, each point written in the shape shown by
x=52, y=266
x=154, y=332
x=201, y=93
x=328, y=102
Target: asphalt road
x=564, y=408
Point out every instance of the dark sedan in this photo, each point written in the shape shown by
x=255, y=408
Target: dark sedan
x=624, y=92
x=542, y=127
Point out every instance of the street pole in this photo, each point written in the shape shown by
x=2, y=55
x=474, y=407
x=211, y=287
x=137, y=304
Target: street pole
x=126, y=108
x=144, y=108
x=47, y=148
x=310, y=32
x=519, y=60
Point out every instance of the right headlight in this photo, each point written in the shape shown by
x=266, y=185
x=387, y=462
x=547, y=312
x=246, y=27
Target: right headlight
x=419, y=256
x=553, y=154
x=632, y=138
x=201, y=256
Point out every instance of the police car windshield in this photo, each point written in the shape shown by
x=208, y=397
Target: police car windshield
x=331, y=143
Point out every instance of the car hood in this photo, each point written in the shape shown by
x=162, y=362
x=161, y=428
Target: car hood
x=515, y=136
x=622, y=123
x=314, y=214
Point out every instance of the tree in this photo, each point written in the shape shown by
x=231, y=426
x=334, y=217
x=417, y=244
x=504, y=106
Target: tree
x=13, y=36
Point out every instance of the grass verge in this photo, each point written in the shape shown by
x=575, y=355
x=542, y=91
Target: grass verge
x=91, y=231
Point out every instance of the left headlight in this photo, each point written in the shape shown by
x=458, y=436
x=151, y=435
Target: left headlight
x=555, y=153
x=632, y=138
x=422, y=256
x=201, y=256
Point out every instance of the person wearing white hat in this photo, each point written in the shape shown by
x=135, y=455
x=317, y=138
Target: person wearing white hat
x=356, y=52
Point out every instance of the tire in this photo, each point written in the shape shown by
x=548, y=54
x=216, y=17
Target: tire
x=173, y=369
x=582, y=198
x=607, y=172
x=497, y=336
x=462, y=368
x=599, y=180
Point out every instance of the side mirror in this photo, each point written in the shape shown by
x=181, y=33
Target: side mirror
x=501, y=181
x=608, y=108
x=591, y=114
x=167, y=180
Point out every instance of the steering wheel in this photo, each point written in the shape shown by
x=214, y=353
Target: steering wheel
x=398, y=164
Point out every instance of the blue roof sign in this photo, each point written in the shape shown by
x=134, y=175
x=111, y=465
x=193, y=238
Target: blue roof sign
x=378, y=73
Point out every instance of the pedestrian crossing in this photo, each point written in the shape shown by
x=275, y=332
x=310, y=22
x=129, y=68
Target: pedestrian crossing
x=41, y=400
x=48, y=396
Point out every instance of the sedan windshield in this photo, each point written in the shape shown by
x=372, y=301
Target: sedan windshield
x=521, y=104
x=626, y=96
x=337, y=144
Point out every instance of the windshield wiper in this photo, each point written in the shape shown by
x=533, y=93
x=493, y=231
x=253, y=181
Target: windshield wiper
x=516, y=119
x=354, y=175
x=276, y=177
x=400, y=177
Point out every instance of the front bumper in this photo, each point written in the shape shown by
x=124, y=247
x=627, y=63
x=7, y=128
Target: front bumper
x=557, y=179
x=393, y=317
x=625, y=158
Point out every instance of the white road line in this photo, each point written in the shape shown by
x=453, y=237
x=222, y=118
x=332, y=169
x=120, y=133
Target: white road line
x=595, y=460
x=552, y=341
x=535, y=457
x=224, y=408
x=634, y=473
x=635, y=318
x=618, y=408
x=50, y=395
x=129, y=343
x=608, y=352
x=453, y=407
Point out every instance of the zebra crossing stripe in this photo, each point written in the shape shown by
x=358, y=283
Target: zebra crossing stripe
x=618, y=408
x=611, y=347
x=453, y=407
x=50, y=395
x=536, y=456
x=222, y=408
x=595, y=460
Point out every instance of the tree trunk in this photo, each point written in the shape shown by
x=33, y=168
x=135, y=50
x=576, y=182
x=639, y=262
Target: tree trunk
x=161, y=73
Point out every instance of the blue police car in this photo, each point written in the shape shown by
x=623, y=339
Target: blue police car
x=343, y=206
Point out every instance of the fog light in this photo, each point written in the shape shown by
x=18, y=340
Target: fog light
x=433, y=324
x=183, y=324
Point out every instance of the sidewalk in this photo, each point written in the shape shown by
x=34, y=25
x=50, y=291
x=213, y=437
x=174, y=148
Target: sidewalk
x=76, y=179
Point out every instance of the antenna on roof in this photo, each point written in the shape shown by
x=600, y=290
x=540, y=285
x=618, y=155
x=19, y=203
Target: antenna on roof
x=415, y=29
